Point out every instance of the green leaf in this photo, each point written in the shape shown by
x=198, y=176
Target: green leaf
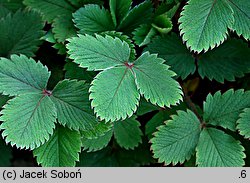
x=11, y=5
x=22, y=75
x=73, y=107
x=3, y=100
x=3, y=11
x=224, y=109
x=217, y=149
x=167, y=8
x=62, y=149
x=162, y=24
x=119, y=9
x=20, y=33
x=93, y=19
x=98, y=53
x=241, y=23
x=97, y=131
x=114, y=94
x=226, y=62
x=5, y=155
x=99, y=143
x=63, y=28
x=28, y=120
x=128, y=133
x=50, y=9
x=244, y=123
x=144, y=34
x=175, y=142
x=204, y=23
x=154, y=81
x=134, y=17
x=145, y=107
x=72, y=71
x=171, y=48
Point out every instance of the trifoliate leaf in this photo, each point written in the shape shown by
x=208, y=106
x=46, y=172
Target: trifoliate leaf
x=72, y=71
x=73, y=106
x=241, y=23
x=99, y=143
x=98, y=53
x=244, y=123
x=63, y=28
x=97, y=131
x=204, y=23
x=134, y=17
x=62, y=149
x=50, y=9
x=226, y=62
x=154, y=81
x=175, y=142
x=114, y=94
x=217, y=149
x=144, y=34
x=20, y=33
x=21, y=75
x=5, y=154
x=28, y=120
x=93, y=19
x=224, y=109
x=171, y=48
x=128, y=133
x=119, y=8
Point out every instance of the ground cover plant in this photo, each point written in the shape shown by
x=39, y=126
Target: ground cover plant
x=125, y=83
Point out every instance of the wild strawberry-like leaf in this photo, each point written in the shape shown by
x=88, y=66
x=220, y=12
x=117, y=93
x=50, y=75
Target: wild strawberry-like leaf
x=241, y=23
x=92, y=19
x=200, y=25
x=144, y=34
x=154, y=81
x=119, y=9
x=217, y=149
x=62, y=149
x=98, y=53
x=73, y=107
x=171, y=48
x=176, y=141
x=97, y=131
x=20, y=33
x=114, y=94
x=28, y=120
x=230, y=60
x=244, y=123
x=21, y=75
x=99, y=143
x=128, y=133
x=224, y=109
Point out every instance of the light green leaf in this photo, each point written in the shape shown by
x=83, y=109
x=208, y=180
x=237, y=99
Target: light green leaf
x=62, y=149
x=217, y=149
x=97, y=131
x=244, y=123
x=204, y=23
x=134, y=17
x=119, y=9
x=144, y=34
x=99, y=143
x=114, y=94
x=175, y=142
x=128, y=133
x=224, y=109
x=50, y=9
x=171, y=48
x=226, y=62
x=20, y=33
x=63, y=28
x=154, y=81
x=28, y=120
x=162, y=24
x=98, y=53
x=93, y=19
x=22, y=75
x=241, y=23
x=73, y=107
x=5, y=155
